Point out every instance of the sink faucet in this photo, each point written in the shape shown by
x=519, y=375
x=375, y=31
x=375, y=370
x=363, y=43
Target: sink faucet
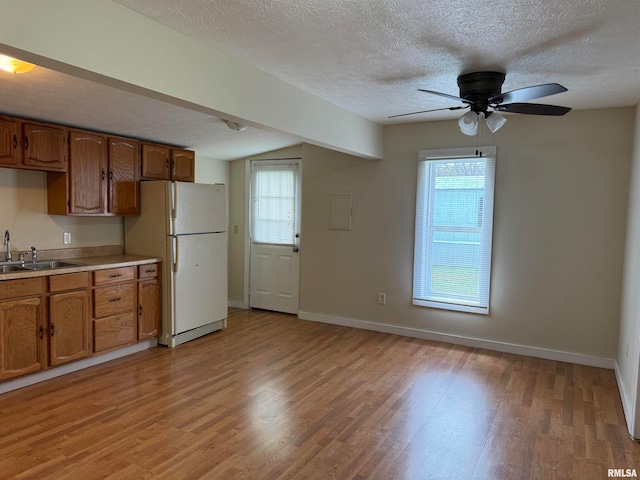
x=7, y=242
x=34, y=254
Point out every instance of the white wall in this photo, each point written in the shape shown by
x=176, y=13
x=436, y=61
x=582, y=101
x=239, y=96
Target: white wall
x=210, y=170
x=629, y=340
x=559, y=229
x=23, y=211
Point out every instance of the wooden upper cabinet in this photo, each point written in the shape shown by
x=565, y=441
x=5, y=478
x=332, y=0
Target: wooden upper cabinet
x=9, y=141
x=124, y=181
x=160, y=162
x=155, y=162
x=44, y=147
x=87, y=173
x=183, y=165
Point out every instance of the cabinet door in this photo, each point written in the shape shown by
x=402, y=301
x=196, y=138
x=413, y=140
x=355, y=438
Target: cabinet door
x=124, y=184
x=148, y=309
x=45, y=147
x=9, y=141
x=21, y=337
x=155, y=162
x=183, y=165
x=87, y=173
x=68, y=326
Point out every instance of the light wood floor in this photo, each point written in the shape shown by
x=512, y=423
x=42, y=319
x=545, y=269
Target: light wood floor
x=274, y=397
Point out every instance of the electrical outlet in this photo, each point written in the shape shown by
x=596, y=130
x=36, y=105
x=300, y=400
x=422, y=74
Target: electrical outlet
x=66, y=238
x=382, y=298
x=235, y=229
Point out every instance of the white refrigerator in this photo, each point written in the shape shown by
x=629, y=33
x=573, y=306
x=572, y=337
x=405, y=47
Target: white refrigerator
x=185, y=224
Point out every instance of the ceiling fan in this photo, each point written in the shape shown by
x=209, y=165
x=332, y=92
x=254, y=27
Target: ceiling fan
x=481, y=93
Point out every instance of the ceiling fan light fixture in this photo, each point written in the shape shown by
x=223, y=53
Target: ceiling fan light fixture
x=494, y=121
x=13, y=65
x=469, y=123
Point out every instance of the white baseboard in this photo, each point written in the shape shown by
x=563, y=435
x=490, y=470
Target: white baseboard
x=32, y=379
x=537, y=352
x=237, y=304
x=627, y=405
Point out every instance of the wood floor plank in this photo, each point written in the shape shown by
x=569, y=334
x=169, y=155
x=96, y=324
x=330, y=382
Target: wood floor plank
x=273, y=397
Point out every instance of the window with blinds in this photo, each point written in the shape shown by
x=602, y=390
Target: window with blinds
x=273, y=208
x=454, y=226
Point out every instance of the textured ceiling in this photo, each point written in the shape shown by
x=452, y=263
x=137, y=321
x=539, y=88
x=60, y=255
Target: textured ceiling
x=366, y=56
x=60, y=98
x=370, y=57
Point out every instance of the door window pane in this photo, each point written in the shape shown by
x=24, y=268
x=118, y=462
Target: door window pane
x=274, y=202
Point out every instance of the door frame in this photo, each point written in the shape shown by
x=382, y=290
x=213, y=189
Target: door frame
x=247, y=219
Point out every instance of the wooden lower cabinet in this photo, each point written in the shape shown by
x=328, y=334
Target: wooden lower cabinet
x=114, y=318
x=149, y=308
x=78, y=315
x=68, y=327
x=22, y=331
x=113, y=332
x=22, y=347
x=68, y=332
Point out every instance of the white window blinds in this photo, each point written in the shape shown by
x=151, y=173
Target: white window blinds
x=454, y=224
x=274, y=203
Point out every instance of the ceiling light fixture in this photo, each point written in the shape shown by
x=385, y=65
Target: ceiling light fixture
x=13, y=65
x=495, y=121
x=238, y=127
x=469, y=123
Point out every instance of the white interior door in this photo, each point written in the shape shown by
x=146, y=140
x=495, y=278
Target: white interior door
x=274, y=230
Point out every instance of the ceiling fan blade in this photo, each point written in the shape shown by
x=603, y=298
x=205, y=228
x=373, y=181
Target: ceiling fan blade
x=532, y=109
x=446, y=95
x=426, y=111
x=528, y=93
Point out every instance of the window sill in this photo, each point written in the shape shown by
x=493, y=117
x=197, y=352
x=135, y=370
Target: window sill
x=451, y=306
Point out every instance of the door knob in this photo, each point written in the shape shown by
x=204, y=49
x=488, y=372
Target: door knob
x=295, y=249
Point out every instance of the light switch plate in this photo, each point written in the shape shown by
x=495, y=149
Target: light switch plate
x=66, y=239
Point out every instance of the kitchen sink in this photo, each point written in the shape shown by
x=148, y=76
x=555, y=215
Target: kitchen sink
x=49, y=265
x=9, y=268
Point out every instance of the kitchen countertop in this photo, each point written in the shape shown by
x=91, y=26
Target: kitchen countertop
x=89, y=264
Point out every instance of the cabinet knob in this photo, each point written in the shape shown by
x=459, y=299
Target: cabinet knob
x=15, y=142
x=26, y=142
x=41, y=331
x=53, y=329
x=139, y=309
x=104, y=174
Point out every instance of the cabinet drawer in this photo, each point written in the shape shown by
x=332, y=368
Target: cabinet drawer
x=113, y=275
x=113, y=299
x=148, y=271
x=68, y=281
x=27, y=287
x=112, y=332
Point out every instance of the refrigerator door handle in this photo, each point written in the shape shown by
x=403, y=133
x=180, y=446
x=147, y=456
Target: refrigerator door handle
x=176, y=253
x=174, y=200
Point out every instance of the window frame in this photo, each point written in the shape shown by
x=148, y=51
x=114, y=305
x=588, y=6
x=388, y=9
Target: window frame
x=424, y=227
